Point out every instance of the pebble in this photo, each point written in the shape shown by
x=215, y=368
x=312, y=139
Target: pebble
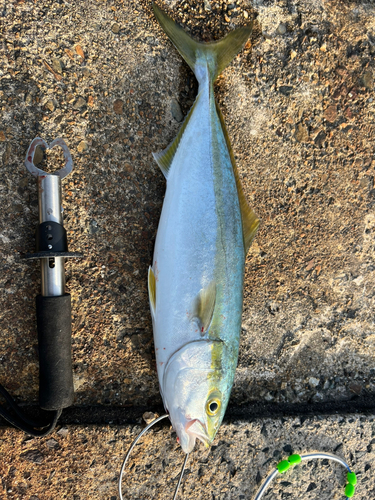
x=285, y=90
x=17, y=208
x=149, y=417
x=79, y=51
x=207, y=5
x=33, y=456
x=348, y=113
x=118, y=106
x=50, y=105
x=301, y=133
x=281, y=29
x=320, y=138
x=69, y=97
x=82, y=147
x=56, y=65
x=38, y=155
x=368, y=80
x=93, y=227
x=176, y=111
x=330, y=114
x=314, y=382
x=80, y=103
x=310, y=265
x=52, y=443
x=63, y=431
x=115, y=28
x=355, y=388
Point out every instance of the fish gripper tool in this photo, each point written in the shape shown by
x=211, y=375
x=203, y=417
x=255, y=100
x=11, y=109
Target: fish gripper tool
x=53, y=304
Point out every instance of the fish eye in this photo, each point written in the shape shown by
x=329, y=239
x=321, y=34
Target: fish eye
x=213, y=406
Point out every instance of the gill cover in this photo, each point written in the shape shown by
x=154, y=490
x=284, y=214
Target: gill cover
x=194, y=392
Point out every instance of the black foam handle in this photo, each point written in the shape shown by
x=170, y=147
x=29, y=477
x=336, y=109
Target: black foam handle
x=55, y=357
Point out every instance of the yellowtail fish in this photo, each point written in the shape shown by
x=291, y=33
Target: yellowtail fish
x=205, y=230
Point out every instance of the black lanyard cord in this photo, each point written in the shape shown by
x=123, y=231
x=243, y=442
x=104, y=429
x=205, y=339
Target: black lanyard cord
x=25, y=423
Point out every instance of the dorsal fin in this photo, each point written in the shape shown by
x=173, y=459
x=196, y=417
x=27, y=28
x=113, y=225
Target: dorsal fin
x=250, y=221
x=203, y=306
x=152, y=290
x=164, y=158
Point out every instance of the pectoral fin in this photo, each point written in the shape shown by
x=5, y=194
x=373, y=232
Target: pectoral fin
x=204, y=305
x=152, y=290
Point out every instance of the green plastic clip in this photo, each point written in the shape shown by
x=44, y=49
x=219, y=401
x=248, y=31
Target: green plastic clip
x=294, y=459
x=283, y=466
x=352, y=478
x=349, y=490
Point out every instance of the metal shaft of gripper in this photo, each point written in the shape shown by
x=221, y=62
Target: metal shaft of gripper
x=50, y=210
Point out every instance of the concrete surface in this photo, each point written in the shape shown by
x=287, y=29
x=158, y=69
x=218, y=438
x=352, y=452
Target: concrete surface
x=83, y=463
x=299, y=107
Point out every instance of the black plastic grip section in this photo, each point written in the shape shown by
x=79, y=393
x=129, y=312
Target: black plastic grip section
x=55, y=358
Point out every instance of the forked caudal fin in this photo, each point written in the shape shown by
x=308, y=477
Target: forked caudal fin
x=217, y=54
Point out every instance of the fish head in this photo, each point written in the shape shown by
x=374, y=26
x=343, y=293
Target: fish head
x=196, y=392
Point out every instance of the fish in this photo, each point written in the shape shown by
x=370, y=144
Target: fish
x=206, y=226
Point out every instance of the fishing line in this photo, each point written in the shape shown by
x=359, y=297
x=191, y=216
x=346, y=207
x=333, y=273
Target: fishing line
x=131, y=449
x=295, y=459
x=281, y=467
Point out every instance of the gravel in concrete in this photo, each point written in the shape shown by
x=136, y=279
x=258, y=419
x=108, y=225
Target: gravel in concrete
x=83, y=463
x=299, y=107
x=301, y=121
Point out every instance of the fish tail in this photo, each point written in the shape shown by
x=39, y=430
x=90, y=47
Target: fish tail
x=217, y=55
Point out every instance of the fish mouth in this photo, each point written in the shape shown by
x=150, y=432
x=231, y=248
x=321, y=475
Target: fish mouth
x=197, y=429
